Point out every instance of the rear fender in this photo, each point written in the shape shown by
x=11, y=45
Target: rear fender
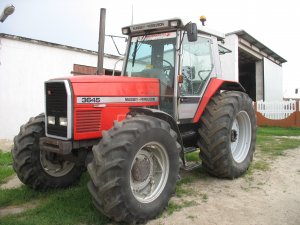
x=214, y=86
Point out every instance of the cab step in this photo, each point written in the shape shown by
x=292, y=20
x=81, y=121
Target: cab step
x=190, y=149
x=191, y=165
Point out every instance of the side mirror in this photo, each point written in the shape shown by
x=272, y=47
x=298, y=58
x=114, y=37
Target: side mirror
x=191, y=30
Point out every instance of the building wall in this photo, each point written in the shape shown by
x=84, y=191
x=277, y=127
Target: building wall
x=268, y=74
x=292, y=93
x=259, y=78
x=273, y=89
x=230, y=61
x=24, y=66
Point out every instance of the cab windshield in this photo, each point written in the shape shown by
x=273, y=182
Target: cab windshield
x=153, y=56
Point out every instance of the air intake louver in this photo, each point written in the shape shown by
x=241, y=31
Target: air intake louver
x=88, y=121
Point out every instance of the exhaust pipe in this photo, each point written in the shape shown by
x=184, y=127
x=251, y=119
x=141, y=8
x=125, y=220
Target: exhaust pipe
x=100, y=69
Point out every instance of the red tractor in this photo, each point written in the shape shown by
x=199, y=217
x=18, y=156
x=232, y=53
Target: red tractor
x=133, y=131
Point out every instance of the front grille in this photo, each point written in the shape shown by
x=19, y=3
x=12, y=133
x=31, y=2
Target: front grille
x=56, y=105
x=88, y=121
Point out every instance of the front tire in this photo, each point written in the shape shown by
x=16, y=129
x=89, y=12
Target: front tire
x=135, y=169
x=39, y=169
x=227, y=131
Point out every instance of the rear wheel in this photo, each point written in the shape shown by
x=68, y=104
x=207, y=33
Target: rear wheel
x=39, y=169
x=134, y=170
x=227, y=131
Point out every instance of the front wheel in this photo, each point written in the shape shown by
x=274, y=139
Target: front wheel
x=227, y=132
x=39, y=169
x=135, y=169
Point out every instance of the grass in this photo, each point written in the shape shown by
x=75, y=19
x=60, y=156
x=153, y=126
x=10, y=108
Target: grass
x=6, y=169
x=69, y=206
x=174, y=207
x=260, y=165
x=19, y=196
x=204, y=197
x=193, y=156
x=74, y=205
x=274, y=140
x=277, y=131
x=181, y=187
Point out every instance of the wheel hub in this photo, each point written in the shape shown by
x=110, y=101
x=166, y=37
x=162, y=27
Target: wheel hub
x=52, y=166
x=234, y=135
x=141, y=169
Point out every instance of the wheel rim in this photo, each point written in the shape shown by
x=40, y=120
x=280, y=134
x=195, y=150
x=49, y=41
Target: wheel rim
x=55, y=169
x=240, y=136
x=149, y=172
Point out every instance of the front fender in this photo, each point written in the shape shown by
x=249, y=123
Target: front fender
x=163, y=116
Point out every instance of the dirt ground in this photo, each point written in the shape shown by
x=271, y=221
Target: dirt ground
x=266, y=197
x=269, y=197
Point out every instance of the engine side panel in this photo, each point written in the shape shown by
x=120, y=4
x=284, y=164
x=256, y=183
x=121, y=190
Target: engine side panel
x=97, y=104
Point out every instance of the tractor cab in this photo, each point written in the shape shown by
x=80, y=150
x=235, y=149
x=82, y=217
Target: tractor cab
x=180, y=56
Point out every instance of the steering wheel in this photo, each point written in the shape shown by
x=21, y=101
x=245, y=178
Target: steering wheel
x=166, y=61
x=167, y=69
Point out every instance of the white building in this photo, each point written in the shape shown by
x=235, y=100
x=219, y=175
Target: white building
x=293, y=93
x=254, y=65
x=24, y=66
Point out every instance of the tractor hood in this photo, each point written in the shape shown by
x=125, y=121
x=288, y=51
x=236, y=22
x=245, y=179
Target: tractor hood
x=113, y=90
x=92, y=103
x=114, y=86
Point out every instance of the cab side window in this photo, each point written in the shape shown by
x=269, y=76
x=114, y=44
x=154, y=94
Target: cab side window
x=197, y=65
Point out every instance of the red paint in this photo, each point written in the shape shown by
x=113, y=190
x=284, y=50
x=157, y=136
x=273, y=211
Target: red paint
x=213, y=86
x=108, y=86
x=108, y=116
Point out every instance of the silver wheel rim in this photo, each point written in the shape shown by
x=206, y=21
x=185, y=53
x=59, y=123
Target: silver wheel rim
x=240, y=136
x=55, y=169
x=149, y=172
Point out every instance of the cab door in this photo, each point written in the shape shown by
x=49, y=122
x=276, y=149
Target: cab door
x=196, y=66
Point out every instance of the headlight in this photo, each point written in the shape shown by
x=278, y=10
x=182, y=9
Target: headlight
x=63, y=121
x=51, y=120
x=125, y=31
x=174, y=23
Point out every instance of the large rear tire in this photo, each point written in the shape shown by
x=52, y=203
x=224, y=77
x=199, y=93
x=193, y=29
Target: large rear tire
x=38, y=169
x=135, y=169
x=227, y=132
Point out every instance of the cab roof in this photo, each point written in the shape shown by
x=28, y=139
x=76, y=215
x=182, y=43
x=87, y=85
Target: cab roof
x=167, y=24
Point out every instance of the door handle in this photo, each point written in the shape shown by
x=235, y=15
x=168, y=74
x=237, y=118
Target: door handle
x=183, y=99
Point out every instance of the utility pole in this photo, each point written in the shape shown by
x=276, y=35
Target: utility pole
x=100, y=69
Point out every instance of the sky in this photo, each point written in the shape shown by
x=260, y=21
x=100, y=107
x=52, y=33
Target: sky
x=76, y=22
